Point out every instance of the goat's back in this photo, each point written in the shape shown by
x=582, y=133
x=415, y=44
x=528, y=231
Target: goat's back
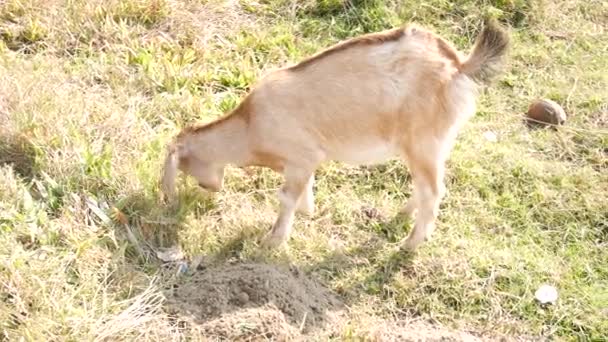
x=363, y=96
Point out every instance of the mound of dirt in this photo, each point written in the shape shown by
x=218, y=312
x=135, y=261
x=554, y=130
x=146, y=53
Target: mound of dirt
x=245, y=300
x=265, y=323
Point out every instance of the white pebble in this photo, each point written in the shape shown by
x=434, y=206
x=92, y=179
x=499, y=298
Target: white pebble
x=490, y=136
x=546, y=294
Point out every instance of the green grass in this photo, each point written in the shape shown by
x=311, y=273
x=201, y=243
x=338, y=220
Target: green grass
x=90, y=92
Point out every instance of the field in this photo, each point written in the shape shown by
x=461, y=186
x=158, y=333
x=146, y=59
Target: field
x=91, y=91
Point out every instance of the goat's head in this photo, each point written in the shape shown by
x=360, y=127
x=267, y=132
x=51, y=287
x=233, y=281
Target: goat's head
x=209, y=175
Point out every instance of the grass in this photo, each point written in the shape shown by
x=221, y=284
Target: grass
x=90, y=91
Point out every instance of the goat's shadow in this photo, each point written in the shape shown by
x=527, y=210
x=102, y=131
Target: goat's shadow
x=296, y=291
x=156, y=224
x=383, y=253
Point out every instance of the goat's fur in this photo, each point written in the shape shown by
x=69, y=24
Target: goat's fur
x=399, y=93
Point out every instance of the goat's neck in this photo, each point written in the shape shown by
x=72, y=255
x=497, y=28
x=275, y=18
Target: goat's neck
x=224, y=142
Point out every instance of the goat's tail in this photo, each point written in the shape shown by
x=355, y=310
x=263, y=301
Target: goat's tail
x=169, y=173
x=486, y=59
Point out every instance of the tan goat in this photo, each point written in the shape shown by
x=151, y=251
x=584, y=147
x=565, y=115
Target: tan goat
x=399, y=93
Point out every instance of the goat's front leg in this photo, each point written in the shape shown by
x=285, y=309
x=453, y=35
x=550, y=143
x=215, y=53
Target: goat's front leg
x=296, y=181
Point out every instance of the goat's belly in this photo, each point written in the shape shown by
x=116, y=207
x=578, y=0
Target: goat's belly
x=365, y=153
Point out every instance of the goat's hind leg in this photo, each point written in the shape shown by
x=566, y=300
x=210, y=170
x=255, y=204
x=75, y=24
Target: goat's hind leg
x=427, y=168
x=306, y=202
x=412, y=203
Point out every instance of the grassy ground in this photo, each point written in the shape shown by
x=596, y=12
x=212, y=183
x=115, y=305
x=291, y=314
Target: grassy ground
x=90, y=91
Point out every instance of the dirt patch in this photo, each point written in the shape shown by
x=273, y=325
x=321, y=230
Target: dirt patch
x=257, y=302
x=418, y=331
x=244, y=301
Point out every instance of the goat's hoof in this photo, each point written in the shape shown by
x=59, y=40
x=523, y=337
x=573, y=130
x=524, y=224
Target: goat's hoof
x=411, y=243
x=306, y=207
x=272, y=241
x=306, y=211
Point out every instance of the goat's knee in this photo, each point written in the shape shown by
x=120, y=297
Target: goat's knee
x=282, y=226
x=289, y=196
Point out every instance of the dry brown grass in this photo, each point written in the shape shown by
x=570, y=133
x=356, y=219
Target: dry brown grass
x=90, y=93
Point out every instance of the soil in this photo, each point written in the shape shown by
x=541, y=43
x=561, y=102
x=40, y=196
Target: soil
x=418, y=331
x=258, y=302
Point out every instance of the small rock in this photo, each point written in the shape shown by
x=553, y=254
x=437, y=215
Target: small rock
x=335, y=244
x=182, y=268
x=490, y=136
x=242, y=298
x=461, y=244
x=371, y=212
x=543, y=112
x=170, y=254
x=198, y=263
x=546, y=294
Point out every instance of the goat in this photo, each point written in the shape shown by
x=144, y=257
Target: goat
x=403, y=93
